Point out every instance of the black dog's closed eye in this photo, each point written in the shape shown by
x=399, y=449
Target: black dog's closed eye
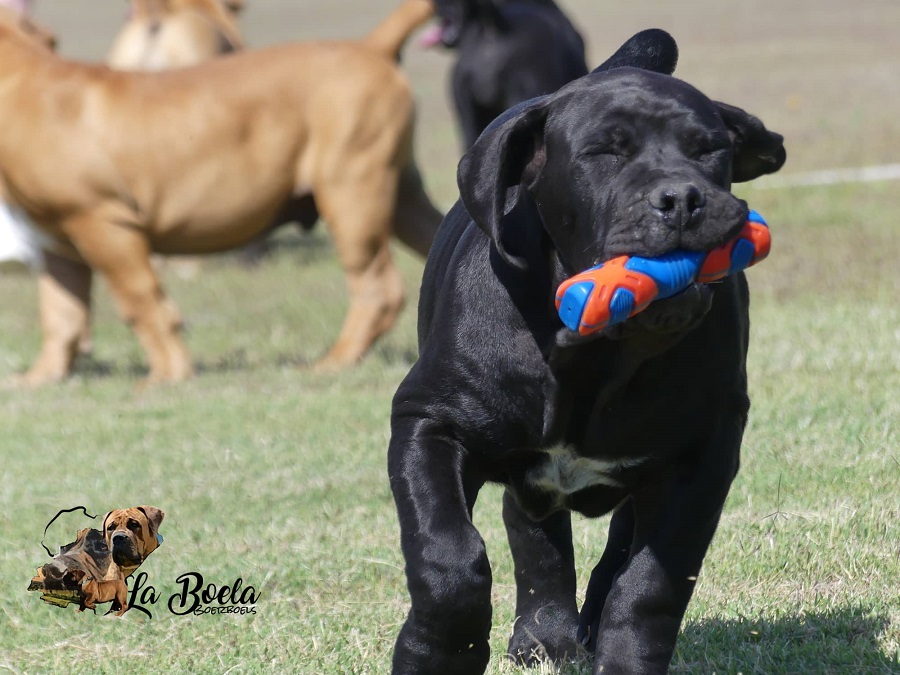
x=618, y=142
x=701, y=146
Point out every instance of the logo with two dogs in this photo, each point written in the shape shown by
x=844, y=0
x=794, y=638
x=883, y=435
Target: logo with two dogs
x=96, y=567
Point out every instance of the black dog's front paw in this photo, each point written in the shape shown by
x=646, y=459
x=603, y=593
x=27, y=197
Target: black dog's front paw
x=549, y=636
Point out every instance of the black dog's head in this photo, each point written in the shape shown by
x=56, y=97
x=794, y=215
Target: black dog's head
x=456, y=14
x=621, y=161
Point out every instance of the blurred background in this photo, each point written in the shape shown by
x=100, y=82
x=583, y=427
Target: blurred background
x=824, y=73
x=277, y=474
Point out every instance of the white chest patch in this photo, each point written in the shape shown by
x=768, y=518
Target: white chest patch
x=564, y=473
x=20, y=240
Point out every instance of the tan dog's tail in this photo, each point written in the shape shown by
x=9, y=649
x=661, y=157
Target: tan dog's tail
x=389, y=36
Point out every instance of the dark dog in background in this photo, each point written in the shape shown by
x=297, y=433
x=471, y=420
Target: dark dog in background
x=509, y=51
x=644, y=420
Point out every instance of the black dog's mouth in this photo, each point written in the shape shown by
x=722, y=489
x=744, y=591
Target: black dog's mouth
x=447, y=32
x=675, y=315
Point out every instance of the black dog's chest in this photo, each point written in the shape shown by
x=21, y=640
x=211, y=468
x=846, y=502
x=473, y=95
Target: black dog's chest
x=603, y=441
x=560, y=478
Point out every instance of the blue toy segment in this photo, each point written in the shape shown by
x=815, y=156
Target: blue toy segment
x=741, y=256
x=620, y=306
x=753, y=216
x=573, y=302
x=672, y=272
x=612, y=292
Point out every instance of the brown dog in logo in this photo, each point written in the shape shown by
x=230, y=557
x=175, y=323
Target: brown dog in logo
x=131, y=535
x=94, y=567
x=93, y=591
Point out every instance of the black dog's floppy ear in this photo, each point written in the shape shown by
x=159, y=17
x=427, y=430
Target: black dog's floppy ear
x=507, y=155
x=652, y=49
x=757, y=151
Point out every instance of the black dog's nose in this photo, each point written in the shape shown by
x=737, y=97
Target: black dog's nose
x=679, y=205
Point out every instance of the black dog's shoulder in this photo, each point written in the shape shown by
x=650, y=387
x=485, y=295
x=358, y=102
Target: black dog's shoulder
x=477, y=336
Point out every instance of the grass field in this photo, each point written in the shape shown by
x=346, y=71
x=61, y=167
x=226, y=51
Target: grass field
x=274, y=474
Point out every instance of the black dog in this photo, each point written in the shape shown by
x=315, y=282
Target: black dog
x=509, y=51
x=644, y=420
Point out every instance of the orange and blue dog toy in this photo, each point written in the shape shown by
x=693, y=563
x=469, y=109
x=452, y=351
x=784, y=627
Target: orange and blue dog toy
x=620, y=288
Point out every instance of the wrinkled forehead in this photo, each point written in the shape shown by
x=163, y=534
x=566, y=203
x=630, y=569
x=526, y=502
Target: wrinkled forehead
x=630, y=97
x=121, y=519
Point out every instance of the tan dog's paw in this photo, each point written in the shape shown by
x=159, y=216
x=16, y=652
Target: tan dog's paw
x=331, y=364
x=28, y=380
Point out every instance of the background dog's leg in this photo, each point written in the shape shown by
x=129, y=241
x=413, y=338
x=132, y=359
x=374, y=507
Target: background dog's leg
x=547, y=615
x=675, y=519
x=615, y=555
x=64, y=290
x=447, y=569
x=122, y=255
x=359, y=216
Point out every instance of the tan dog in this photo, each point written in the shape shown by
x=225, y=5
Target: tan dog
x=94, y=591
x=131, y=535
x=116, y=165
x=22, y=10
x=17, y=250
x=164, y=34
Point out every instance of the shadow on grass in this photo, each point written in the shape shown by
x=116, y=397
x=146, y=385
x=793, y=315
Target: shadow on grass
x=235, y=361
x=837, y=641
x=301, y=245
x=89, y=366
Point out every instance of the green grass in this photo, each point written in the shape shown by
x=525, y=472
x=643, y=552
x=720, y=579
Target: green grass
x=277, y=475
x=270, y=472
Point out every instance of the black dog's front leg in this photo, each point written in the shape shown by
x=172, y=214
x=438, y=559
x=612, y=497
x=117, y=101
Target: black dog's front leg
x=675, y=519
x=615, y=555
x=546, y=611
x=447, y=569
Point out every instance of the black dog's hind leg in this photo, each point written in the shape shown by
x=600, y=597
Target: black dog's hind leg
x=447, y=569
x=544, y=561
x=615, y=555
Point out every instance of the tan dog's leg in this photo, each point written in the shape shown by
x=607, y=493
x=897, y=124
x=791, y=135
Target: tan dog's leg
x=121, y=597
x=64, y=290
x=359, y=217
x=122, y=255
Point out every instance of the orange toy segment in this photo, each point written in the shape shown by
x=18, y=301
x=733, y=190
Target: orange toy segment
x=607, y=280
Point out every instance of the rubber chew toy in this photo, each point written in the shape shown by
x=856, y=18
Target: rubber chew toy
x=620, y=288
